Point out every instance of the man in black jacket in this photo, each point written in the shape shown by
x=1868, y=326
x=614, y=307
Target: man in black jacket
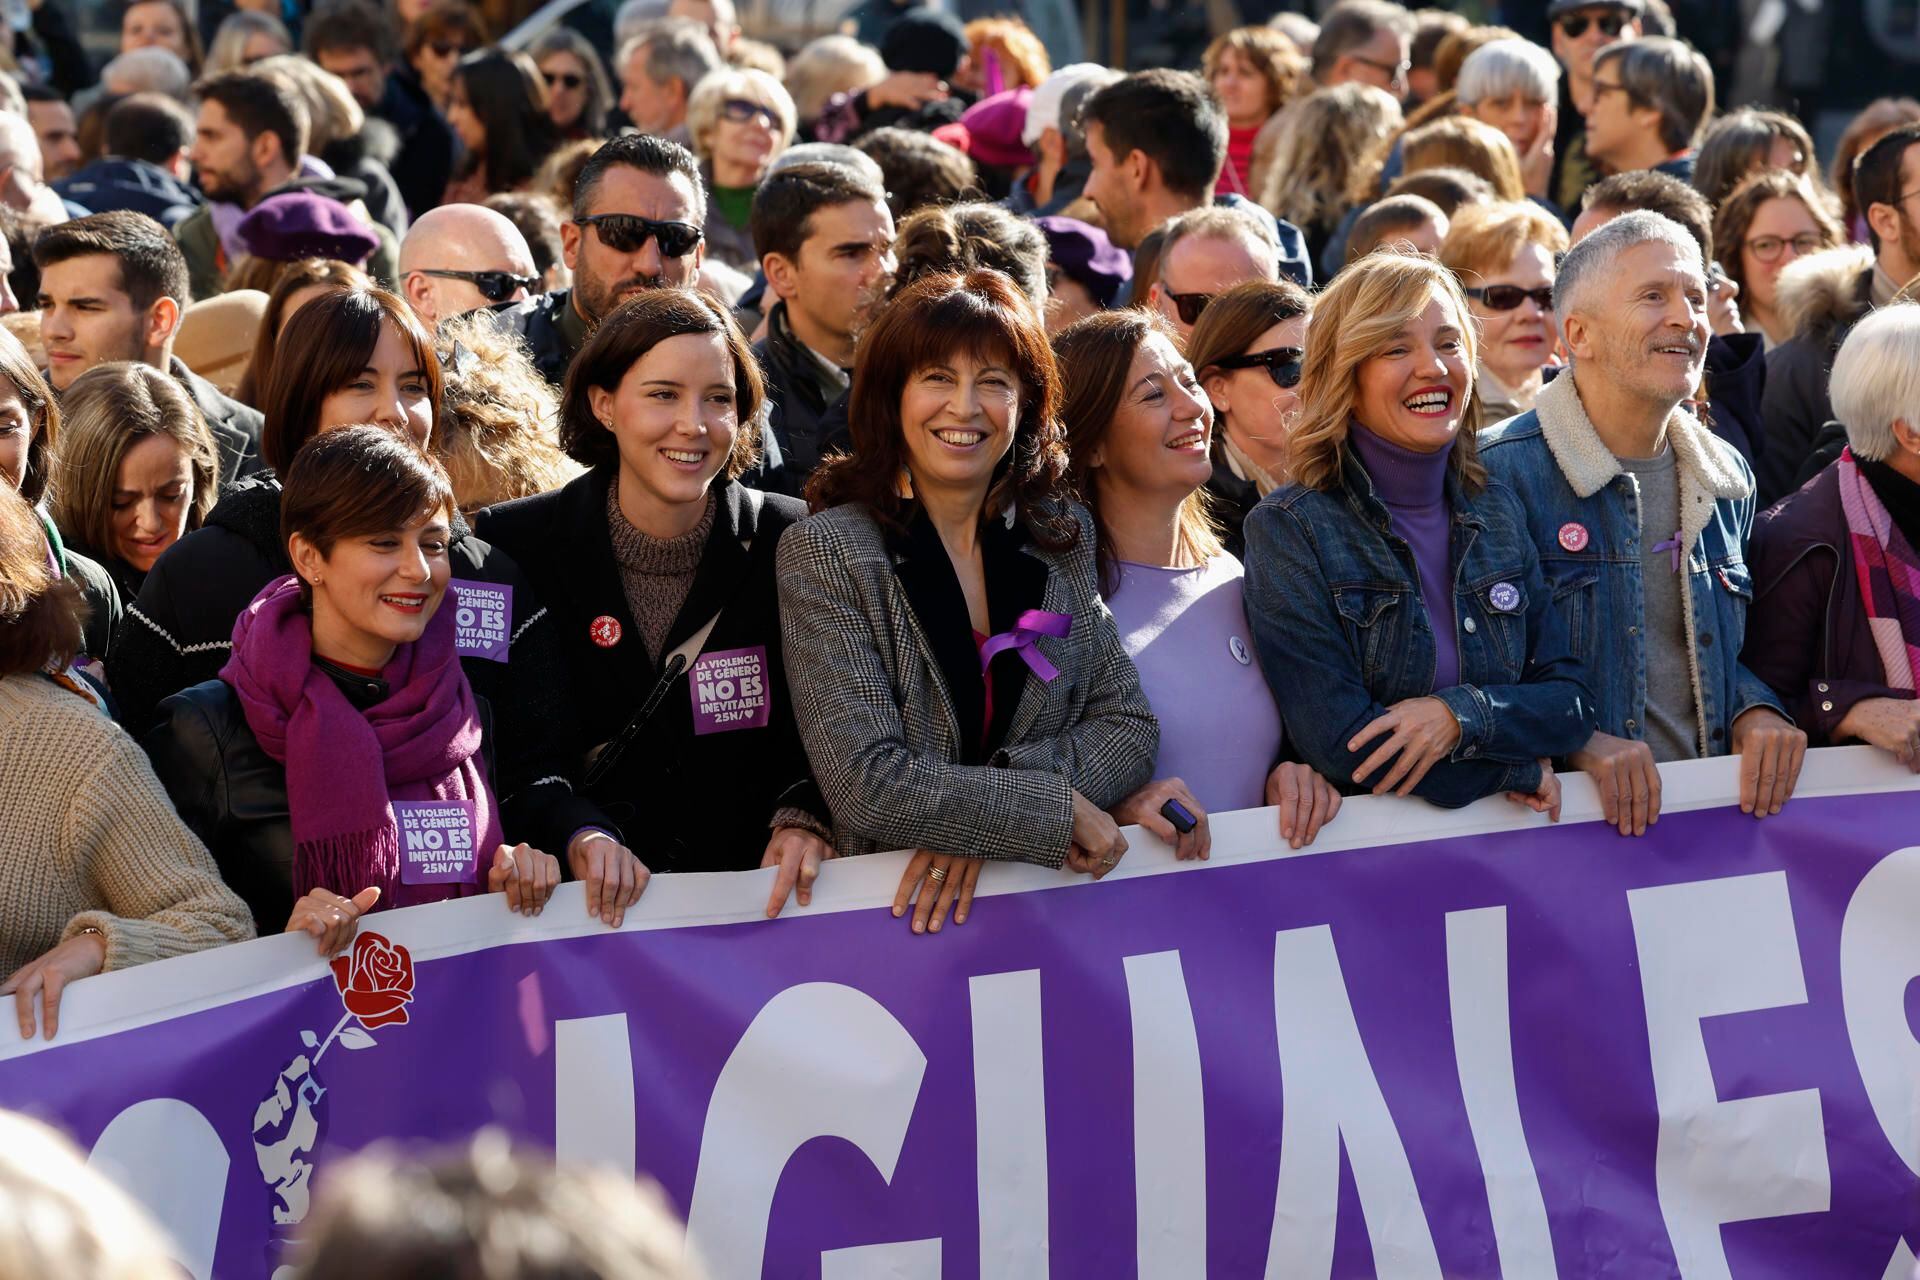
x=113, y=287
x=825, y=241
x=146, y=167
x=639, y=209
x=354, y=41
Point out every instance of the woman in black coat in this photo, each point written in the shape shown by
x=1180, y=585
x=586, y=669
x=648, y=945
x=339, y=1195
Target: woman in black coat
x=658, y=567
x=351, y=357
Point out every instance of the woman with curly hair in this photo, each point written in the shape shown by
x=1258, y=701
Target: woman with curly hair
x=960, y=687
x=1254, y=72
x=1003, y=53
x=1323, y=143
x=498, y=417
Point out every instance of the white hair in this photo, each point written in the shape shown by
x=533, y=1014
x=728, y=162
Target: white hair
x=19, y=145
x=1592, y=259
x=148, y=70
x=1876, y=379
x=829, y=65
x=1502, y=68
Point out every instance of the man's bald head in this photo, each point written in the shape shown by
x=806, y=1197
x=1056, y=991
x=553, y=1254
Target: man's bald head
x=463, y=238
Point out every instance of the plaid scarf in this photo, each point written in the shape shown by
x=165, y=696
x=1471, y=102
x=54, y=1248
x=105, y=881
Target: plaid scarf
x=1889, y=574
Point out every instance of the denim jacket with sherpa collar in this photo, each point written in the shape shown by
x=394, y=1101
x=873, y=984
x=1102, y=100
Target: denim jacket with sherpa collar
x=1583, y=510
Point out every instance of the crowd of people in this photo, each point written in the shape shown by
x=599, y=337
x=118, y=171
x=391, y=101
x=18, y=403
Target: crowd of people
x=640, y=452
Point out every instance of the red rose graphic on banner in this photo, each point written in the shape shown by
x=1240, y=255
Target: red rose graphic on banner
x=375, y=981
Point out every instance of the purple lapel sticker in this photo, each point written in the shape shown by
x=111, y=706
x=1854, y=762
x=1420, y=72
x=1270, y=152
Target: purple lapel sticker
x=729, y=690
x=436, y=841
x=483, y=619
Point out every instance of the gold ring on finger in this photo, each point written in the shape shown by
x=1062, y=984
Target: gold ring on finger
x=936, y=874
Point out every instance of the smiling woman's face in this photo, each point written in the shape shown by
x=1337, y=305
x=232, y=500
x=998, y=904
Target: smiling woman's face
x=1413, y=391
x=957, y=418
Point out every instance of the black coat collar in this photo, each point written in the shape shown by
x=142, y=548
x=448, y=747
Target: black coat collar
x=1016, y=582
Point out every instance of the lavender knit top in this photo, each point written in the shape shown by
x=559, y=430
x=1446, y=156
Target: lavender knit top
x=1413, y=487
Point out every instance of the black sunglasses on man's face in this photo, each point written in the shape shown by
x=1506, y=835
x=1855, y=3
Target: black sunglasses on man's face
x=629, y=233
x=1574, y=25
x=494, y=286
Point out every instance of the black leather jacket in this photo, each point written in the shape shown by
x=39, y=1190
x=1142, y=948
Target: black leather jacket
x=234, y=795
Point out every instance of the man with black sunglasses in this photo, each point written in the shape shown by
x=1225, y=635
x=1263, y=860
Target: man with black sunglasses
x=1579, y=30
x=639, y=210
x=1205, y=253
x=460, y=258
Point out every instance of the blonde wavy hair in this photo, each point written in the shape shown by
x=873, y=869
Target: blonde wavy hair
x=499, y=419
x=1321, y=142
x=1353, y=321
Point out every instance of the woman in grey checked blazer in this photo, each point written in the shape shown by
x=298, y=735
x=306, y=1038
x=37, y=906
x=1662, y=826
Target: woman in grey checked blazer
x=959, y=684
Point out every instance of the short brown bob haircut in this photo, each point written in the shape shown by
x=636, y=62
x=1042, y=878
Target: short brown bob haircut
x=43, y=414
x=324, y=347
x=40, y=615
x=634, y=328
x=359, y=481
x=985, y=314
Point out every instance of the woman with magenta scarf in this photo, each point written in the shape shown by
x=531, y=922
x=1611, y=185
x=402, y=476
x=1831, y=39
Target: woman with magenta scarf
x=960, y=688
x=341, y=761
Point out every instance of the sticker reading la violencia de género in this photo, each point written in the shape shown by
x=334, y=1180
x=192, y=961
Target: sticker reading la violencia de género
x=482, y=619
x=729, y=690
x=436, y=841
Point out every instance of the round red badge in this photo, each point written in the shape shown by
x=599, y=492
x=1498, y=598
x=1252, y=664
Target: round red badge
x=1573, y=536
x=605, y=631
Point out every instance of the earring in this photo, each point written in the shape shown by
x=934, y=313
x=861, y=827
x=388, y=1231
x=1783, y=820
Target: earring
x=903, y=484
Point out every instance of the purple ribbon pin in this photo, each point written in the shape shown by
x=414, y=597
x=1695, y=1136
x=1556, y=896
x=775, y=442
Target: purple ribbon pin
x=1671, y=544
x=1032, y=624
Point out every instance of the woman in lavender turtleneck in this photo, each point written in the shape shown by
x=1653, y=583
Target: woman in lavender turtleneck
x=1138, y=437
x=1396, y=599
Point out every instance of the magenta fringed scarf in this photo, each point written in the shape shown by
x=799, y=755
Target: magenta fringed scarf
x=345, y=767
x=1889, y=574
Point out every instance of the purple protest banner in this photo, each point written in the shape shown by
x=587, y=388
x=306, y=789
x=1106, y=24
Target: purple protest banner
x=1459, y=1044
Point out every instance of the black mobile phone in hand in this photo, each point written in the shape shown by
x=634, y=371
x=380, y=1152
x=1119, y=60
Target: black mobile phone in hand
x=1180, y=816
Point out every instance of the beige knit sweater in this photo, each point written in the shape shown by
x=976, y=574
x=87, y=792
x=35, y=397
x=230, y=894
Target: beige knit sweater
x=89, y=837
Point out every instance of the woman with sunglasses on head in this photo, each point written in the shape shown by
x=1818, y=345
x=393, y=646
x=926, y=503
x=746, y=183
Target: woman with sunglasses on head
x=1137, y=426
x=740, y=121
x=348, y=358
x=579, y=93
x=1396, y=597
x=1504, y=256
x=960, y=686
x=1247, y=349
x=497, y=105
x=659, y=568
x=341, y=723
x=1772, y=219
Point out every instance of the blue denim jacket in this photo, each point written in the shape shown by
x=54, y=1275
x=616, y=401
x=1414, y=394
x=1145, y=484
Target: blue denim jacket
x=1334, y=602
x=1583, y=511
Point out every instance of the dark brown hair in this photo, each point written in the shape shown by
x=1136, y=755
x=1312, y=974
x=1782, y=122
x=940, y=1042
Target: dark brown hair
x=293, y=277
x=324, y=347
x=1735, y=216
x=1233, y=320
x=43, y=414
x=1095, y=355
x=359, y=481
x=1874, y=120
x=628, y=334
x=938, y=315
x=40, y=614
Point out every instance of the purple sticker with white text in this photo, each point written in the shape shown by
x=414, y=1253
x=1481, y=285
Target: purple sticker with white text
x=436, y=841
x=729, y=690
x=483, y=619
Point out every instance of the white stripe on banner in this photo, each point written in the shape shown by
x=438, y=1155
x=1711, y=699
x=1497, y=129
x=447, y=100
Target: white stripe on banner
x=593, y=1092
x=1477, y=999
x=1169, y=1130
x=1010, y=1119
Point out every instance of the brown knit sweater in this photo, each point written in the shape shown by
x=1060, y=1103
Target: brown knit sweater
x=88, y=837
x=655, y=573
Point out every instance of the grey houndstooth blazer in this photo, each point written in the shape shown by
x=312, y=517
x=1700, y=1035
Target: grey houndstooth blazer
x=880, y=728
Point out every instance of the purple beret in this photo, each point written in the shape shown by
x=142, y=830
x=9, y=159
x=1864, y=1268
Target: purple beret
x=1083, y=252
x=303, y=224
